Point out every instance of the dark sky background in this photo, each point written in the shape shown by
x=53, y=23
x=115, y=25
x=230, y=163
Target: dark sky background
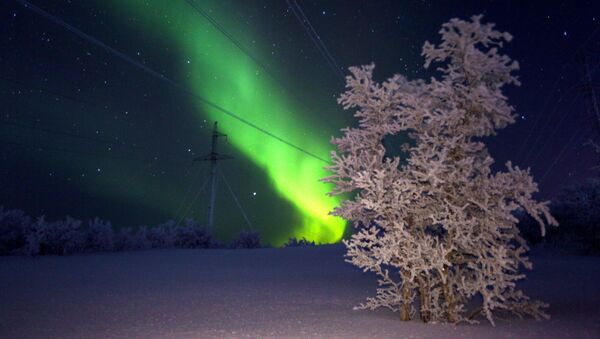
x=86, y=134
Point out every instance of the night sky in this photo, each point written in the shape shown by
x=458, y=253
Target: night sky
x=86, y=133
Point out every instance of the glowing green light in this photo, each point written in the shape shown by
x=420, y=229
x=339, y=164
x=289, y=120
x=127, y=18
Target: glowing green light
x=217, y=70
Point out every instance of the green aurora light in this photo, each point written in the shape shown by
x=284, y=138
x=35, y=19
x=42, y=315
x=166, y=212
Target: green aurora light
x=226, y=76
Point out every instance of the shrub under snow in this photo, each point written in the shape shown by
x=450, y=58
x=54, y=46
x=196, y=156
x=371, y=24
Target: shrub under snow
x=192, y=235
x=163, y=235
x=247, y=239
x=19, y=235
x=14, y=225
x=293, y=242
x=125, y=239
x=99, y=236
x=60, y=237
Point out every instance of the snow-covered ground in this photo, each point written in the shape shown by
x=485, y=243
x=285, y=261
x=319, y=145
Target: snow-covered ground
x=277, y=293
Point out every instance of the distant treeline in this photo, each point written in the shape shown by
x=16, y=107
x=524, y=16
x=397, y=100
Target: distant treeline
x=22, y=235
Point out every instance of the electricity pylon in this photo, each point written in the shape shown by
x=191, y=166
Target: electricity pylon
x=213, y=157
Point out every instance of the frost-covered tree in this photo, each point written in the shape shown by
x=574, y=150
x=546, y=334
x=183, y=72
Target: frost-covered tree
x=437, y=226
x=99, y=236
x=142, y=238
x=60, y=237
x=14, y=225
x=163, y=235
x=247, y=239
x=193, y=235
x=293, y=242
x=126, y=239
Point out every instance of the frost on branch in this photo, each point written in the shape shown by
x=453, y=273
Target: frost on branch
x=438, y=228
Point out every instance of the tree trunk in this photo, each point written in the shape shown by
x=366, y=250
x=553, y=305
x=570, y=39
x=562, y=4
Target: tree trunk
x=425, y=313
x=450, y=303
x=424, y=300
x=405, y=308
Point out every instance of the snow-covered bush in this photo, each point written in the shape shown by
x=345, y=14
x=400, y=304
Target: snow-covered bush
x=99, y=236
x=125, y=239
x=167, y=235
x=247, y=239
x=14, y=225
x=59, y=237
x=216, y=244
x=19, y=235
x=142, y=238
x=437, y=227
x=163, y=235
x=192, y=235
x=293, y=242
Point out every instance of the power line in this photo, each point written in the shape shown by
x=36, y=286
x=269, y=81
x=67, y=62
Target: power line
x=230, y=37
x=179, y=218
x=552, y=112
x=235, y=199
x=549, y=97
x=186, y=193
x=243, y=49
x=535, y=124
x=561, y=153
x=193, y=201
x=114, y=143
x=159, y=76
x=558, y=126
x=58, y=132
x=84, y=103
x=76, y=136
x=93, y=40
x=40, y=148
x=49, y=91
x=589, y=88
x=118, y=143
x=316, y=39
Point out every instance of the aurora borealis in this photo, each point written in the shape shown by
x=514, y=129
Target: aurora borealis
x=215, y=69
x=226, y=76
x=87, y=134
